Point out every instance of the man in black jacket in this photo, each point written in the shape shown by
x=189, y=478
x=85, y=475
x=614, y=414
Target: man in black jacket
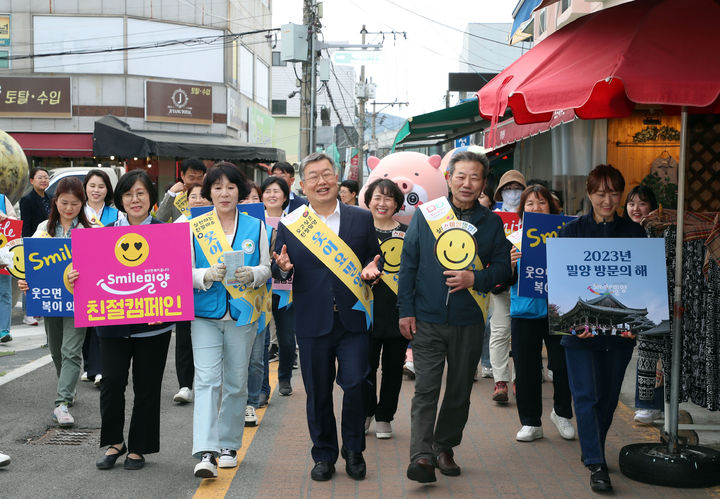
x=440, y=313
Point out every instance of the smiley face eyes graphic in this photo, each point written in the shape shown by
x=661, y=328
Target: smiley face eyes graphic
x=131, y=250
x=455, y=249
x=391, y=250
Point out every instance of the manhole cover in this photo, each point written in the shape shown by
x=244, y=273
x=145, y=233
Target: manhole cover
x=64, y=436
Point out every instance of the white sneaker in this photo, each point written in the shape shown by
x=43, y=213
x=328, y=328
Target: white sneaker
x=207, y=467
x=486, y=372
x=250, y=416
x=529, y=433
x=383, y=429
x=63, y=416
x=84, y=377
x=29, y=321
x=647, y=416
x=549, y=375
x=368, y=422
x=4, y=459
x=563, y=425
x=228, y=458
x=98, y=380
x=183, y=396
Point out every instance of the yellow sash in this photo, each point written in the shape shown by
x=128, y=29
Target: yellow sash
x=438, y=212
x=333, y=252
x=181, y=203
x=213, y=243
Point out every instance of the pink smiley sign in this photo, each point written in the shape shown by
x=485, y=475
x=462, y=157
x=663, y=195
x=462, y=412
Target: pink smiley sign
x=134, y=274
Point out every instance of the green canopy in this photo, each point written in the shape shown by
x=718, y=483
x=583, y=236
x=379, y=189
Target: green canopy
x=442, y=126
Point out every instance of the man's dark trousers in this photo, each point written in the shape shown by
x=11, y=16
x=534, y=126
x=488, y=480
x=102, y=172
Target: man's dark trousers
x=317, y=362
x=432, y=345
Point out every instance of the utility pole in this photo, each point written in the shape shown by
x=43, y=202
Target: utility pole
x=361, y=127
x=307, y=93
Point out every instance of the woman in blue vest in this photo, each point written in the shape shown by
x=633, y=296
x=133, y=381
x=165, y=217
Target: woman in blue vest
x=99, y=192
x=143, y=345
x=221, y=347
x=6, y=211
x=529, y=329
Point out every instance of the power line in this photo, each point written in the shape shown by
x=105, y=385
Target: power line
x=207, y=40
x=450, y=27
x=337, y=113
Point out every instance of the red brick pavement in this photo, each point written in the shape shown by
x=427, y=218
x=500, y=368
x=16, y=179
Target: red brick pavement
x=493, y=463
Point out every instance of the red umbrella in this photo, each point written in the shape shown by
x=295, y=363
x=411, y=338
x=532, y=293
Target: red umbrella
x=601, y=65
x=647, y=52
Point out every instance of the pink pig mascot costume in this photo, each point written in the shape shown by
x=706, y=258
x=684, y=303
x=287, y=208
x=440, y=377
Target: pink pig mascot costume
x=419, y=177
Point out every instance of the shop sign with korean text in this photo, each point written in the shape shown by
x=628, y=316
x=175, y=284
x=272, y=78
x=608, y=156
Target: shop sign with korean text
x=537, y=229
x=178, y=103
x=35, y=97
x=606, y=286
x=48, y=260
x=133, y=274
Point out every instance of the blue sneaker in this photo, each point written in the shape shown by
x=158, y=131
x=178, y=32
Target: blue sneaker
x=5, y=336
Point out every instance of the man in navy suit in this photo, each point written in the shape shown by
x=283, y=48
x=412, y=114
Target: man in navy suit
x=286, y=172
x=327, y=328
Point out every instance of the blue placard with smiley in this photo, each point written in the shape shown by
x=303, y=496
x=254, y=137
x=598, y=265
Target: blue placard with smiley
x=537, y=229
x=47, y=263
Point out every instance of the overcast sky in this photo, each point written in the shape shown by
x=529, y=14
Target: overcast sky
x=413, y=70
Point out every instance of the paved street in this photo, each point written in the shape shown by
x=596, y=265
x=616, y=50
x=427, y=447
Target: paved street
x=275, y=459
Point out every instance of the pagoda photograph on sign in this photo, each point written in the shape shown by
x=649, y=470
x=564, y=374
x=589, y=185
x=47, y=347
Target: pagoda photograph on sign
x=612, y=287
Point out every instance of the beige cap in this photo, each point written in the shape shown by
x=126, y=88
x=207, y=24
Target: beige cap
x=509, y=177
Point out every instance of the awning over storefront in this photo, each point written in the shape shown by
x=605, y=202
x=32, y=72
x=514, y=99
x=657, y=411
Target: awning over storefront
x=522, y=15
x=508, y=132
x=442, y=126
x=54, y=145
x=114, y=137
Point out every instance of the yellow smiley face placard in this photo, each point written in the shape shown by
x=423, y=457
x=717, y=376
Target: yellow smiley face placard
x=455, y=249
x=131, y=250
x=17, y=269
x=391, y=249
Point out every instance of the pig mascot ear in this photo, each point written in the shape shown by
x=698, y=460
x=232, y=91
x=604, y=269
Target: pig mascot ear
x=372, y=162
x=434, y=160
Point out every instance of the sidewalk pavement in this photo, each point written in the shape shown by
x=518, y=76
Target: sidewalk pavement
x=493, y=463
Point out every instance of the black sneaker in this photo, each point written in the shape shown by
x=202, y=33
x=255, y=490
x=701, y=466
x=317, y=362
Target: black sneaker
x=207, y=467
x=599, y=478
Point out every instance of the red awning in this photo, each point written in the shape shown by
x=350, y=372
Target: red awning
x=65, y=145
x=508, y=131
x=658, y=52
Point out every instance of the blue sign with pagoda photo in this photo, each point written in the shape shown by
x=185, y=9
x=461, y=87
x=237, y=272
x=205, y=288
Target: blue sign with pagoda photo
x=607, y=286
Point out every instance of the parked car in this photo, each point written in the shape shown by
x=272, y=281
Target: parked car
x=57, y=174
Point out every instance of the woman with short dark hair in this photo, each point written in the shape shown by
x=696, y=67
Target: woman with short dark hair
x=221, y=347
x=384, y=198
x=145, y=346
x=596, y=364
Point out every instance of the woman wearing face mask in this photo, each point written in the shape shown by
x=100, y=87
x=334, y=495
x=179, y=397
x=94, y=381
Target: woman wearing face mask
x=530, y=328
x=65, y=341
x=649, y=398
x=509, y=191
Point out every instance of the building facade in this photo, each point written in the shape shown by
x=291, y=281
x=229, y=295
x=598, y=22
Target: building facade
x=184, y=78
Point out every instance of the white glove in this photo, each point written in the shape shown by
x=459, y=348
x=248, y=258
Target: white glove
x=244, y=275
x=216, y=273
